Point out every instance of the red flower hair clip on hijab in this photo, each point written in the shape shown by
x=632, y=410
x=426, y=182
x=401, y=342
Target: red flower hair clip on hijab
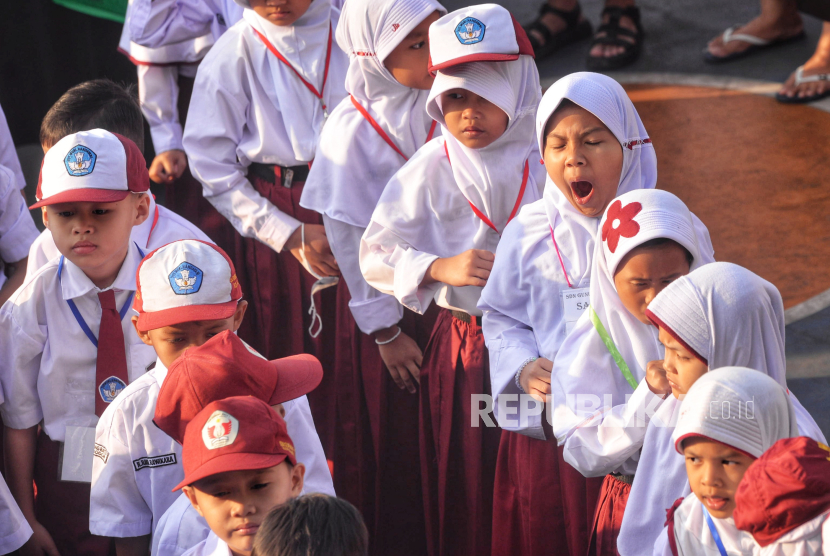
x=620, y=222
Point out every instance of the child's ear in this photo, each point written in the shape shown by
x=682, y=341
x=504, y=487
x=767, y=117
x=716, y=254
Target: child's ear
x=145, y=336
x=297, y=479
x=190, y=492
x=45, y=217
x=239, y=314
x=142, y=209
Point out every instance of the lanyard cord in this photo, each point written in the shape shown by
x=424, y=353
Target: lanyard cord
x=382, y=133
x=713, y=530
x=568, y=280
x=309, y=86
x=612, y=348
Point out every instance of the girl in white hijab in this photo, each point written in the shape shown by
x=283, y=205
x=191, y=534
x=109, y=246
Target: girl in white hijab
x=730, y=413
x=721, y=315
x=545, y=253
x=367, y=138
x=452, y=200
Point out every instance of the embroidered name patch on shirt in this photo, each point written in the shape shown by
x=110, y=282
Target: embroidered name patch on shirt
x=155, y=461
x=101, y=452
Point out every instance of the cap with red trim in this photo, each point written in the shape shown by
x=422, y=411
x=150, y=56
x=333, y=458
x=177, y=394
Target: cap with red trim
x=185, y=281
x=93, y=166
x=483, y=33
x=234, y=434
x=225, y=366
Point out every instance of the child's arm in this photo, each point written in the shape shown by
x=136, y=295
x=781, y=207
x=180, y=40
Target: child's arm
x=15, y=280
x=157, y=23
x=158, y=92
x=470, y=268
x=17, y=232
x=132, y=546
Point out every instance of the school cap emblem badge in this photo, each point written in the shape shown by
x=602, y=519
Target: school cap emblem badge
x=80, y=161
x=220, y=430
x=186, y=278
x=110, y=388
x=470, y=31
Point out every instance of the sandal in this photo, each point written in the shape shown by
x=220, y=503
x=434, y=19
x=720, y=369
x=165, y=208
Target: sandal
x=575, y=30
x=799, y=79
x=755, y=44
x=613, y=36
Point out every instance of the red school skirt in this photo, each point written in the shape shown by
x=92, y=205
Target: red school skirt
x=541, y=505
x=458, y=461
x=609, y=515
x=278, y=290
x=376, y=447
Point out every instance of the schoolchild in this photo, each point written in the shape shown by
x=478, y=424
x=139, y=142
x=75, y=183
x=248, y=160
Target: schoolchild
x=17, y=233
x=600, y=402
x=432, y=237
x=65, y=349
x=719, y=315
x=162, y=23
x=368, y=137
x=545, y=254
x=103, y=104
x=783, y=500
x=8, y=153
x=239, y=462
x=728, y=419
x=14, y=529
x=223, y=367
x=312, y=525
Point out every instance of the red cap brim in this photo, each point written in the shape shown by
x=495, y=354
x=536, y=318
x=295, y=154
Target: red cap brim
x=298, y=375
x=234, y=461
x=83, y=196
x=178, y=315
x=481, y=57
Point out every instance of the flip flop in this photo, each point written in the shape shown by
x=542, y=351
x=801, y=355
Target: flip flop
x=755, y=44
x=800, y=79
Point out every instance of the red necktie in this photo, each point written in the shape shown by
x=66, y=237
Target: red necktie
x=111, y=366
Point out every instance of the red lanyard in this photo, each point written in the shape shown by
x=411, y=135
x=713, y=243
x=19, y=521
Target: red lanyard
x=309, y=86
x=568, y=280
x=384, y=136
x=483, y=216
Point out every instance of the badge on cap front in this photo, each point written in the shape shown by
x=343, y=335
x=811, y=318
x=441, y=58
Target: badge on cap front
x=186, y=278
x=470, y=31
x=220, y=430
x=80, y=161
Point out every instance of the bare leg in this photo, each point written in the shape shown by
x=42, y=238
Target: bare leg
x=779, y=19
x=819, y=62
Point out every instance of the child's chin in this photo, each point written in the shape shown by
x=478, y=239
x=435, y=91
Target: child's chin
x=677, y=393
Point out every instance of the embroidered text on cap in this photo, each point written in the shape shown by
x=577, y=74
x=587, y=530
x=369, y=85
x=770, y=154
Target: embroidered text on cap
x=80, y=161
x=220, y=430
x=470, y=31
x=186, y=278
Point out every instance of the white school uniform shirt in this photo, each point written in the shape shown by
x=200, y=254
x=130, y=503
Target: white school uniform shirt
x=47, y=363
x=149, y=235
x=8, y=153
x=157, y=23
x=252, y=108
x=133, y=478
x=181, y=527
x=17, y=229
x=14, y=529
x=211, y=546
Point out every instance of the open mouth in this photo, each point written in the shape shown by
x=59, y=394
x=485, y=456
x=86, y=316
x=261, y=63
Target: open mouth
x=582, y=190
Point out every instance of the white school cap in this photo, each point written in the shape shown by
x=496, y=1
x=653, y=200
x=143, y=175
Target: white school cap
x=185, y=281
x=483, y=33
x=91, y=166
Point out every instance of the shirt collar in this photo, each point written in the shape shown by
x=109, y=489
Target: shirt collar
x=75, y=283
x=159, y=372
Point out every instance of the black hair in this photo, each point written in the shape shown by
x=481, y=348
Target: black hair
x=662, y=241
x=95, y=104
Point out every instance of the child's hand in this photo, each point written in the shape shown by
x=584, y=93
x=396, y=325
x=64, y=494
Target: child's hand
x=402, y=357
x=317, y=250
x=470, y=268
x=535, y=379
x=40, y=543
x=168, y=166
x=656, y=378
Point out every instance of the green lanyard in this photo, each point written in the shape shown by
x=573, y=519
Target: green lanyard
x=609, y=343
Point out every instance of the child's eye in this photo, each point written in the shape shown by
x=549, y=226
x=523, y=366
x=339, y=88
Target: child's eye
x=100, y=212
x=692, y=459
x=220, y=494
x=259, y=486
x=65, y=214
x=593, y=143
x=418, y=46
x=175, y=340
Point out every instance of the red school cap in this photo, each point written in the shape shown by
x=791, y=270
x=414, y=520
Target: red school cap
x=234, y=434
x=785, y=488
x=223, y=367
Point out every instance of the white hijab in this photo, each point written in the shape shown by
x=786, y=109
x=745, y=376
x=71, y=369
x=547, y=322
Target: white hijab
x=353, y=162
x=584, y=365
x=730, y=316
x=491, y=178
x=304, y=44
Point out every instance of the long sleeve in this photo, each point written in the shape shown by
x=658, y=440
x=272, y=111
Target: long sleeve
x=158, y=93
x=157, y=23
x=371, y=309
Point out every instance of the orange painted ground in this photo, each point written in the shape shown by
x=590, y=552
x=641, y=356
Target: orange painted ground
x=755, y=171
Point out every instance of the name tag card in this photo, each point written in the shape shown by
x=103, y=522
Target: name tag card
x=76, y=454
x=574, y=302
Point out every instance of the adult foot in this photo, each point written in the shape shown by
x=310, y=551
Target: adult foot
x=554, y=23
x=819, y=63
x=611, y=50
x=774, y=29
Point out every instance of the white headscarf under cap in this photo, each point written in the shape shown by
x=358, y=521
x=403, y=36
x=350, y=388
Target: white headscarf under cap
x=491, y=178
x=304, y=44
x=584, y=365
x=349, y=174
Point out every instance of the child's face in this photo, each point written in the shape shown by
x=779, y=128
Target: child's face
x=714, y=471
x=171, y=341
x=682, y=367
x=281, y=12
x=583, y=158
x=235, y=503
x=409, y=61
x=96, y=236
x=473, y=120
x=645, y=272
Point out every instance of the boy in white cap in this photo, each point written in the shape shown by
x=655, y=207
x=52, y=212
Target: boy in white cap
x=187, y=293
x=66, y=350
